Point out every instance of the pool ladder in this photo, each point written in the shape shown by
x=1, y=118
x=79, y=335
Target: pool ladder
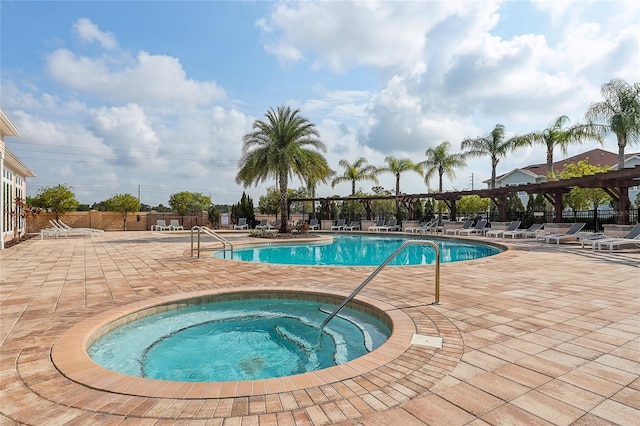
x=226, y=244
x=379, y=268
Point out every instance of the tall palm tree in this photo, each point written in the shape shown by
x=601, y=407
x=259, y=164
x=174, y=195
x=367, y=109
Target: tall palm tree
x=558, y=135
x=620, y=111
x=277, y=148
x=493, y=145
x=440, y=161
x=358, y=171
x=397, y=166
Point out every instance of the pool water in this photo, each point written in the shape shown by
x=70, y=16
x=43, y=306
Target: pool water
x=363, y=250
x=244, y=339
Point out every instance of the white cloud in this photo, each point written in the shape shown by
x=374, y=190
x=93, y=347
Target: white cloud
x=87, y=31
x=152, y=80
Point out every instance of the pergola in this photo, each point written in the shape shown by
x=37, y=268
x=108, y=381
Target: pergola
x=615, y=183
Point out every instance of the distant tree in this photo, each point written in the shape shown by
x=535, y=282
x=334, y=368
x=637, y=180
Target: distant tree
x=83, y=208
x=492, y=145
x=58, y=199
x=162, y=208
x=277, y=148
x=397, y=166
x=472, y=205
x=515, y=208
x=270, y=202
x=382, y=208
x=583, y=198
x=125, y=203
x=243, y=209
x=557, y=134
x=620, y=112
x=189, y=202
x=354, y=172
x=536, y=203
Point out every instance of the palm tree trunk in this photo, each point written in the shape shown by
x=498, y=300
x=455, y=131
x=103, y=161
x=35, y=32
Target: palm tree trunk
x=622, y=143
x=283, y=203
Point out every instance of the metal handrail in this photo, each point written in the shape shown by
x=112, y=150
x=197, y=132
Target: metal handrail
x=379, y=268
x=217, y=237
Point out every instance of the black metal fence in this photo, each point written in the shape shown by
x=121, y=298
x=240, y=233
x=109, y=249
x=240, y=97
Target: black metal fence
x=594, y=219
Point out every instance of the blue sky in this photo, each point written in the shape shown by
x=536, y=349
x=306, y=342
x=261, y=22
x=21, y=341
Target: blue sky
x=112, y=96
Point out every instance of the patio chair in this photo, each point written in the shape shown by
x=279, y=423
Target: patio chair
x=64, y=225
x=466, y=225
x=377, y=226
x=313, y=224
x=242, y=224
x=354, y=225
x=570, y=234
x=161, y=225
x=515, y=224
x=174, y=225
x=262, y=225
x=274, y=224
x=432, y=226
x=477, y=229
x=339, y=225
x=630, y=240
x=391, y=226
x=530, y=232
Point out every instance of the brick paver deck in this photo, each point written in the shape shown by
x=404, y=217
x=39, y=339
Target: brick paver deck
x=540, y=334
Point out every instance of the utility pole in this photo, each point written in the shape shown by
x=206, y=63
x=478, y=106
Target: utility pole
x=138, y=192
x=472, y=181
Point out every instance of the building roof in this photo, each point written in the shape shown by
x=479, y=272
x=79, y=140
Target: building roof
x=597, y=156
x=7, y=128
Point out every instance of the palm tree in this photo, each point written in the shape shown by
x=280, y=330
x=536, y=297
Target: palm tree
x=620, y=111
x=494, y=145
x=556, y=134
x=277, y=148
x=439, y=160
x=357, y=171
x=397, y=166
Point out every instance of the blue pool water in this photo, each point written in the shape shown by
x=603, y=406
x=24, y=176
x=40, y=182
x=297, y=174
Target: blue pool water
x=363, y=250
x=244, y=339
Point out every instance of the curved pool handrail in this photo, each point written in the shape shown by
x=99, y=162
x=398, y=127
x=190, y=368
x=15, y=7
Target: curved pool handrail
x=217, y=237
x=379, y=268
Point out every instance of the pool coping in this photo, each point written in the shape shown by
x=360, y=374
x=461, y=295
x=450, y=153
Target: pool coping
x=70, y=358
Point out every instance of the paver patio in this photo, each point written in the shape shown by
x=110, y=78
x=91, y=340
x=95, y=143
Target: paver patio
x=539, y=334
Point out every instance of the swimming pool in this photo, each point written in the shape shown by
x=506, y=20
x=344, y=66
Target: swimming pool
x=363, y=250
x=241, y=339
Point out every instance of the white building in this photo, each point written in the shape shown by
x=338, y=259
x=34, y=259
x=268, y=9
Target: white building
x=537, y=173
x=14, y=185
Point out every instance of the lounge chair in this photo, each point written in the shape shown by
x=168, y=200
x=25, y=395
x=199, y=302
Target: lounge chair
x=175, y=225
x=339, y=225
x=515, y=224
x=354, y=225
x=64, y=225
x=377, y=226
x=570, y=234
x=313, y=224
x=631, y=239
x=391, y=226
x=161, y=225
x=530, y=232
x=262, y=225
x=242, y=224
x=275, y=224
x=429, y=227
x=478, y=229
x=414, y=229
x=592, y=239
x=466, y=225
x=56, y=230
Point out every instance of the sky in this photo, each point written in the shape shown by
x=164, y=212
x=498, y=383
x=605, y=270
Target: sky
x=152, y=98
